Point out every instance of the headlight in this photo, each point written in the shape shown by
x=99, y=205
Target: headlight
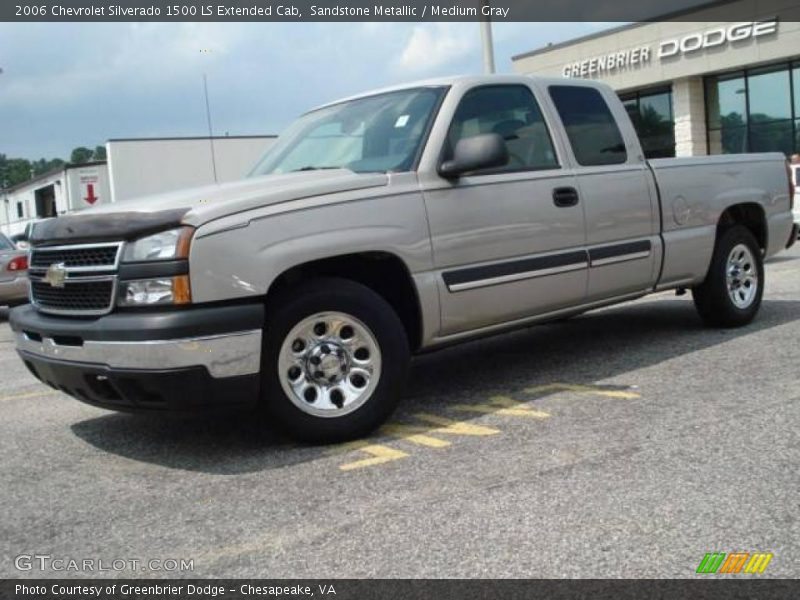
x=166, y=245
x=160, y=291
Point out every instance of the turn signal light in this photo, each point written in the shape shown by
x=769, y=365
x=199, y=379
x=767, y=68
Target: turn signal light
x=182, y=289
x=19, y=263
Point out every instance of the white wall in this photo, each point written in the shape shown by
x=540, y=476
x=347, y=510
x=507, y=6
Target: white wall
x=150, y=166
x=70, y=187
x=25, y=196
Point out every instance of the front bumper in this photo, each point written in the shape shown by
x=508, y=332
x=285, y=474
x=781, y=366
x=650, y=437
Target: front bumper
x=187, y=360
x=14, y=291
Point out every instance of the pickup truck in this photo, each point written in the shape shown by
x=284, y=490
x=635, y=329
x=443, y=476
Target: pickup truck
x=384, y=225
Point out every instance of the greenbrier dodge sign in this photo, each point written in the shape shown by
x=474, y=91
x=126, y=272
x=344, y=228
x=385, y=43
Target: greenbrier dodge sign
x=672, y=48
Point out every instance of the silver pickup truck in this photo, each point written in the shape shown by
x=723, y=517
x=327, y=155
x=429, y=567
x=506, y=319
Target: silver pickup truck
x=384, y=225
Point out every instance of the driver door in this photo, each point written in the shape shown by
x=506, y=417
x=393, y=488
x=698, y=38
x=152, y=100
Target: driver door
x=509, y=242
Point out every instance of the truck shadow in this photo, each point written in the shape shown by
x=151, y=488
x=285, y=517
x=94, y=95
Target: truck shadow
x=782, y=258
x=583, y=350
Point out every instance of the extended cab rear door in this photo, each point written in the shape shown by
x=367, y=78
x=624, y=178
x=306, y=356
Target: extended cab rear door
x=616, y=189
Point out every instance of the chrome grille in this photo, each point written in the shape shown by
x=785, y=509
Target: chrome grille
x=88, y=278
x=83, y=257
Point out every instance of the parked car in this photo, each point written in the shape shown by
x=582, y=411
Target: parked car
x=22, y=240
x=13, y=273
x=384, y=225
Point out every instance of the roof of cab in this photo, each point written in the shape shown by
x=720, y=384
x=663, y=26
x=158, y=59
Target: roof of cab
x=458, y=80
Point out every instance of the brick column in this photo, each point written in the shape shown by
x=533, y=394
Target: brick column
x=688, y=105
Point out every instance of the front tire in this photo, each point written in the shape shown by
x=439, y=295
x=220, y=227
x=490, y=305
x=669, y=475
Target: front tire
x=335, y=359
x=731, y=294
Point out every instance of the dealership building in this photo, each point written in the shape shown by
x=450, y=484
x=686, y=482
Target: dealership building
x=696, y=82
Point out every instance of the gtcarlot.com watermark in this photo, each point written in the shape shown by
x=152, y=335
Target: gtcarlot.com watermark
x=48, y=562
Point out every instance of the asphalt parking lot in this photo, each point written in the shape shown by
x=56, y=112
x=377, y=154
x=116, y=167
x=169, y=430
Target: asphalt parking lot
x=624, y=443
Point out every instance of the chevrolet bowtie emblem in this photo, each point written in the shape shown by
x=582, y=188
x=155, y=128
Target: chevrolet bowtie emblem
x=56, y=275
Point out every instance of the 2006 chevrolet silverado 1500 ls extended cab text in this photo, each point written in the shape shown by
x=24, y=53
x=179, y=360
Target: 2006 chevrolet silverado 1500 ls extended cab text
x=384, y=225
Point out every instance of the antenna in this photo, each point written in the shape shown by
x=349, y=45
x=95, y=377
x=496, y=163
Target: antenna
x=210, y=129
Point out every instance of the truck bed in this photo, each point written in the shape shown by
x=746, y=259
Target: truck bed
x=693, y=193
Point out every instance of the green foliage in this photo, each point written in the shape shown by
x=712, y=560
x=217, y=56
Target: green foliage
x=18, y=170
x=81, y=155
x=43, y=165
x=13, y=170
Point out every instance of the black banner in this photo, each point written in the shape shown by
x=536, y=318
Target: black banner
x=437, y=589
x=395, y=10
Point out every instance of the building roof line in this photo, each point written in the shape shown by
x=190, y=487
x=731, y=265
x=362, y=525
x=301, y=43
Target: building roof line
x=613, y=30
x=50, y=173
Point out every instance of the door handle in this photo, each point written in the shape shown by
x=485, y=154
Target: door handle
x=565, y=196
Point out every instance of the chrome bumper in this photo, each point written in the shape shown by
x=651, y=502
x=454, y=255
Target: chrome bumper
x=227, y=355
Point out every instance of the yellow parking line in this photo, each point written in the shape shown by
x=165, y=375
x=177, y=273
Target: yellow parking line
x=454, y=427
x=415, y=435
x=503, y=405
x=378, y=455
x=28, y=395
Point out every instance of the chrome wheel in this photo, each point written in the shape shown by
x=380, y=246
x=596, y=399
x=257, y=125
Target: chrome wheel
x=329, y=364
x=741, y=275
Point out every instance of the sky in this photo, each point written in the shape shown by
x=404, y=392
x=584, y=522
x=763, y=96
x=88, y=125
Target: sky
x=80, y=84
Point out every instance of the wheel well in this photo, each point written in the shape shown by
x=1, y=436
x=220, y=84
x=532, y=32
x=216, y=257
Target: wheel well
x=384, y=273
x=751, y=215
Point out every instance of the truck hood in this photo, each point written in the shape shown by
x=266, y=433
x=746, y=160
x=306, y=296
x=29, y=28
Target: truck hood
x=130, y=219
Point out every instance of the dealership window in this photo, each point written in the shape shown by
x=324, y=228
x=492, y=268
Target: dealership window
x=754, y=110
x=654, y=120
x=20, y=211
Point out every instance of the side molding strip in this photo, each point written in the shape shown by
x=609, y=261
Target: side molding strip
x=541, y=266
x=606, y=255
x=516, y=270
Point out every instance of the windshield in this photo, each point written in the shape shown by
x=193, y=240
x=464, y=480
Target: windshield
x=5, y=243
x=374, y=134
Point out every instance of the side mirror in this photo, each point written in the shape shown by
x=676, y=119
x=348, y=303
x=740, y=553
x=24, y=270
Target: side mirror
x=484, y=151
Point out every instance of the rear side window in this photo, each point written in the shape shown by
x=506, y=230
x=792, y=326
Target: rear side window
x=590, y=126
x=5, y=244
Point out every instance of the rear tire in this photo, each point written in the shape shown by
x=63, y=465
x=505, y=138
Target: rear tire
x=334, y=361
x=731, y=294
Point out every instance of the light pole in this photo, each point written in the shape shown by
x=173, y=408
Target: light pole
x=4, y=187
x=486, y=39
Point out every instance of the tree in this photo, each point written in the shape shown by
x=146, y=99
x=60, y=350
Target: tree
x=81, y=155
x=17, y=170
x=13, y=171
x=43, y=165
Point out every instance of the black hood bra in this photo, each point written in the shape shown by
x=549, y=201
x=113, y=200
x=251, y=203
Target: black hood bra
x=104, y=227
